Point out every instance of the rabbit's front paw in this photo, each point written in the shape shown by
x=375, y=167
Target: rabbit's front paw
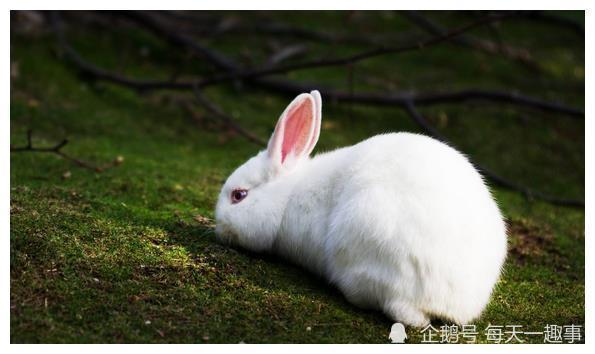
x=407, y=314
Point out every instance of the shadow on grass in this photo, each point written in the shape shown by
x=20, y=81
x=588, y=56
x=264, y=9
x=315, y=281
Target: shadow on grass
x=279, y=275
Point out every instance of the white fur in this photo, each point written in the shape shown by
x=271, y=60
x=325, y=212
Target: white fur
x=399, y=222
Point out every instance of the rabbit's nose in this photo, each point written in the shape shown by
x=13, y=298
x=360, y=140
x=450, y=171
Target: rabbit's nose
x=218, y=229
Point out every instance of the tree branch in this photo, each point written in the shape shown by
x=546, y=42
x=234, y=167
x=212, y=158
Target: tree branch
x=292, y=88
x=57, y=149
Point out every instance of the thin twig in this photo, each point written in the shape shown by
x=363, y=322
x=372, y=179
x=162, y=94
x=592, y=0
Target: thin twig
x=57, y=149
x=496, y=179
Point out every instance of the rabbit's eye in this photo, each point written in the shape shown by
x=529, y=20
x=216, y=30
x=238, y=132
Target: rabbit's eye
x=238, y=195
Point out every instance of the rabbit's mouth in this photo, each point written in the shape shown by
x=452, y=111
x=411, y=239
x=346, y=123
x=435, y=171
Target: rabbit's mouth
x=225, y=234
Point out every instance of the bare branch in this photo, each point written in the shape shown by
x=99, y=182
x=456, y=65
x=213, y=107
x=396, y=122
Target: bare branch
x=292, y=88
x=426, y=99
x=57, y=149
x=400, y=99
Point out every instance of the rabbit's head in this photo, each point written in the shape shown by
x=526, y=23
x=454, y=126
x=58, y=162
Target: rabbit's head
x=253, y=199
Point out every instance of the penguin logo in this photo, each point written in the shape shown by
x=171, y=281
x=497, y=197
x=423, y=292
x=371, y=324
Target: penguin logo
x=397, y=333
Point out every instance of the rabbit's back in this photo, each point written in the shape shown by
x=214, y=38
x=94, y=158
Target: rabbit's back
x=411, y=229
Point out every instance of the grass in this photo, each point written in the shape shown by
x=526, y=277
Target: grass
x=129, y=255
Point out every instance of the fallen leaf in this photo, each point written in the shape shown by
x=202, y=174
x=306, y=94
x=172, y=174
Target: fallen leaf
x=203, y=220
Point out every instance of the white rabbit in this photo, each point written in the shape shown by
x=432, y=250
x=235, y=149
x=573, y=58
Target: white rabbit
x=400, y=222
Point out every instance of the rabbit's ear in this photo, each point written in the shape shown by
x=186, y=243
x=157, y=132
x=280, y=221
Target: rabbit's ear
x=317, y=120
x=297, y=130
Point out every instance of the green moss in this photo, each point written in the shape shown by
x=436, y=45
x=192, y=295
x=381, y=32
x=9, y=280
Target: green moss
x=120, y=256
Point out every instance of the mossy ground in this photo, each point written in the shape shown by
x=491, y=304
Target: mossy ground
x=128, y=255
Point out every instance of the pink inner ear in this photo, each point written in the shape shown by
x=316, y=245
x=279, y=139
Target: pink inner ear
x=298, y=124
